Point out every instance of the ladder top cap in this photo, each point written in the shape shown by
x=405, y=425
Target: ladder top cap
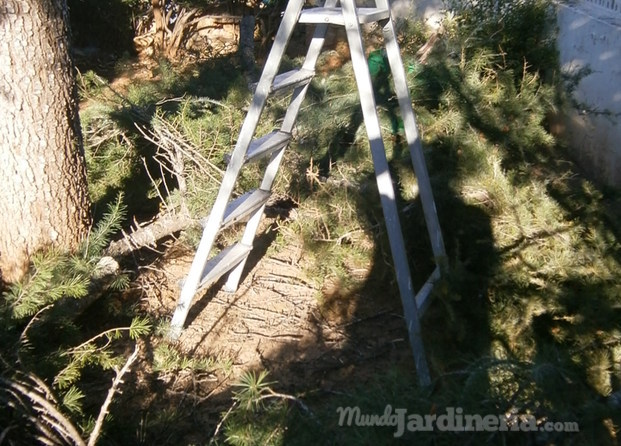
x=334, y=16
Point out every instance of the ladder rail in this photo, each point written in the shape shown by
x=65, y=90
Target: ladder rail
x=413, y=138
x=312, y=55
x=283, y=35
x=385, y=187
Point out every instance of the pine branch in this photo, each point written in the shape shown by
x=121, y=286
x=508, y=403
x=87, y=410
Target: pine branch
x=137, y=324
x=87, y=350
x=109, y=224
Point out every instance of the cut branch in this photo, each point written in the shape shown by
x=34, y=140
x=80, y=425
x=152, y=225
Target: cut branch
x=149, y=234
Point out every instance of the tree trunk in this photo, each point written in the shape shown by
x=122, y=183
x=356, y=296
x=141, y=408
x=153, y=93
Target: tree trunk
x=44, y=198
x=159, y=19
x=246, y=43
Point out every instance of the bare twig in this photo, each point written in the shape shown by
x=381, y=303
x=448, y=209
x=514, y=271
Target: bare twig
x=168, y=134
x=76, y=350
x=221, y=423
x=162, y=176
x=340, y=239
x=155, y=185
x=5, y=431
x=23, y=336
x=284, y=396
x=116, y=382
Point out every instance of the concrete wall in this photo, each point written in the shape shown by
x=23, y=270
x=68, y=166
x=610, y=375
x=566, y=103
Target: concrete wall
x=589, y=42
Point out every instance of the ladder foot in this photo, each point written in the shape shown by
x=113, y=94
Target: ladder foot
x=174, y=333
x=229, y=289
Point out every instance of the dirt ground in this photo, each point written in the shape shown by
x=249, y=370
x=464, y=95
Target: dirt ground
x=310, y=337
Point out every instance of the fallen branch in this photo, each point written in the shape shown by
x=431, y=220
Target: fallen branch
x=424, y=51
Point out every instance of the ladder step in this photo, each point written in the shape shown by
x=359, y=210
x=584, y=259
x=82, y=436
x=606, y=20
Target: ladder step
x=423, y=297
x=243, y=206
x=289, y=79
x=266, y=145
x=222, y=263
x=292, y=78
x=334, y=16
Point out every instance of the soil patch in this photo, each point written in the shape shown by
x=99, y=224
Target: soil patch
x=309, y=336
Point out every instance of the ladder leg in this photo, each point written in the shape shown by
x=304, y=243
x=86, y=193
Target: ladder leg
x=413, y=139
x=385, y=187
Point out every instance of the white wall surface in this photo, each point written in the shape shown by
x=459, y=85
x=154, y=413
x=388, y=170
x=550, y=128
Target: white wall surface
x=590, y=39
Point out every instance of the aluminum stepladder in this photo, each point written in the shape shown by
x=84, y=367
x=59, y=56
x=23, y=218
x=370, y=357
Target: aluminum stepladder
x=250, y=206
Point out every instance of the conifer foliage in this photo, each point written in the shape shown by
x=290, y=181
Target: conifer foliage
x=43, y=353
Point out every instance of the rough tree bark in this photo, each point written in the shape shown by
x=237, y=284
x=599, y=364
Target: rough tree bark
x=44, y=199
x=159, y=18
